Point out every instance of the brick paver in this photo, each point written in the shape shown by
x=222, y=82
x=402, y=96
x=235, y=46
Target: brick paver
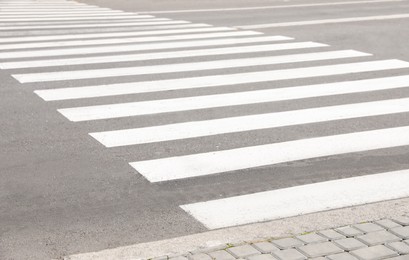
x=374, y=253
x=289, y=254
x=265, y=247
x=221, y=255
x=331, y=234
x=381, y=239
x=342, y=256
x=400, y=247
x=321, y=249
x=243, y=251
x=378, y=238
x=311, y=238
x=287, y=243
x=349, y=231
x=387, y=223
x=402, y=232
x=349, y=244
x=368, y=227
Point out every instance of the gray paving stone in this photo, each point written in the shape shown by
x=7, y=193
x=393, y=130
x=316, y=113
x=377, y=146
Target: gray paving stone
x=243, y=251
x=289, y=254
x=387, y=223
x=285, y=243
x=342, y=256
x=368, y=227
x=400, y=247
x=178, y=258
x=402, y=232
x=403, y=220
x=318, y=258
x=200, y=256
x=331, y=234
x=349, y=244
x=320, y=249
x=377, y=238
x=402, y=257
x=374, y=253
x=311, y=238
x=265, y=247
x=221, y=255
x=262, y=257
x=349, y=231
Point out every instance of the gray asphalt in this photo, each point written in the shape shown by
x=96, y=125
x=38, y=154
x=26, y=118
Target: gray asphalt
x=61, y=192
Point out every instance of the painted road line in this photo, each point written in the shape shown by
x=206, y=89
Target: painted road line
x=248, y=123
x=109, y=35
x=104, y=25
x=326, y=21
x=271, y=7
x=159, y=55
x=299, y=200
x=21, y=13
x=229, y=80
x=141, y=47
x=203, y=164
x=62, y=20
x=127, y=40
x=184, y=67
x=102, y=30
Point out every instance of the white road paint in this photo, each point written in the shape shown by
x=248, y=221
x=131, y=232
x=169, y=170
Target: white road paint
x=299, y=200
x=96, y=25
x=141, y=47
x=271, y=7
x=13, y=46
x=248, y=123
x=234, y=79
x=203, y=164
x=37, y=14
x=184, y=67
x=159, y=55
x=326, y=21
x=109, y=35
x=78, y=18
x=40, y=38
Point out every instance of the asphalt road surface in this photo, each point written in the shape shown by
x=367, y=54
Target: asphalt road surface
x=111, y=121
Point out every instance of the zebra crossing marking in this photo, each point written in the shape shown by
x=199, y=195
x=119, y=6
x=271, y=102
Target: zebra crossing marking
x=61, y=20
x=184, y=67
x=289, y=202
x=163, y=21
x=127, y=40
x=247, y=123
x=218, y=80
x=141, y=47
x=217, y=162
x=160, y=55
x=22, y=39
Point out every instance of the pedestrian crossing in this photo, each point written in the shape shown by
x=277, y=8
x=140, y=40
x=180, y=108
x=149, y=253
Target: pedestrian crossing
x=155, y=55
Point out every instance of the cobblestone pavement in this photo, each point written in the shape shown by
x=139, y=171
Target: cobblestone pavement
x=382, y=239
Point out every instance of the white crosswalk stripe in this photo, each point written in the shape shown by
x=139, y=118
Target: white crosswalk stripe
x=127, y=40
x=229, y=58
x=248, y=123
x=183, y=67
x=291, y=201
x=159, y=55
x=221, y=80
x=138, y=47
x=195, y=165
